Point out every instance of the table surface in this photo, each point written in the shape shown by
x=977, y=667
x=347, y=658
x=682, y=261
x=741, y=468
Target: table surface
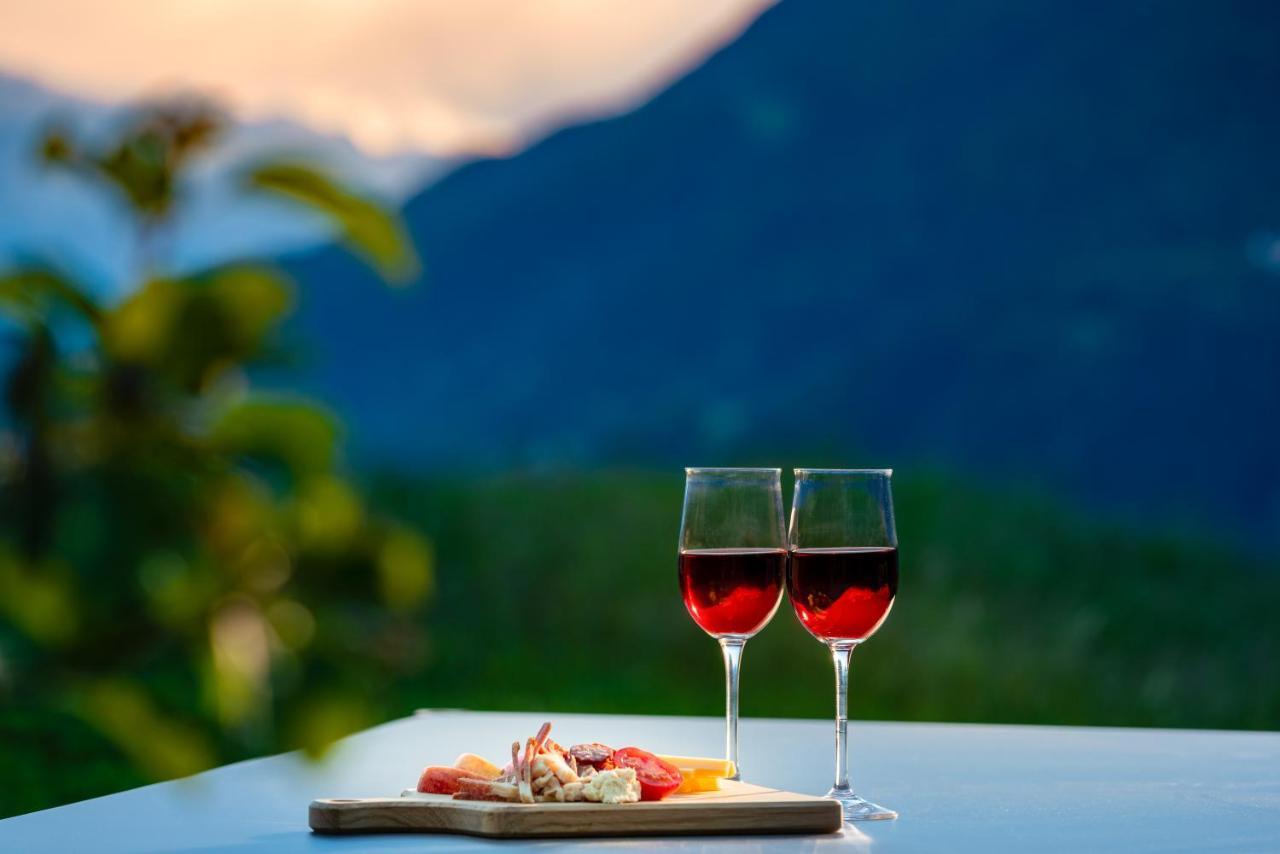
x=957, y=788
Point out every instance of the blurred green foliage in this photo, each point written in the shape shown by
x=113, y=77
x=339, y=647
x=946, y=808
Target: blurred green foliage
x=186, y=575
x=1012, y=608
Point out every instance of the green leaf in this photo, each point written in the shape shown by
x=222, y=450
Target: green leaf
x=56, y=147
x=162, y=745
x=299, y=434
x=141, y=328
x=38, y=598
x=365, y=227
x=32, y=291
x=253, y=299
x=325, y=719
x=140, y=168
x=406, y=568
x=329, y=514
x=146, y=162
x=193, y=329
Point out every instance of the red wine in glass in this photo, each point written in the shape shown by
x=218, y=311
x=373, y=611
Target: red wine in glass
x=843, y=594
x=732, y=591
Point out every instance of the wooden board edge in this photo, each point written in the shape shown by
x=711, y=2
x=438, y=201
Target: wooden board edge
x=346, y=816
x=770, y=819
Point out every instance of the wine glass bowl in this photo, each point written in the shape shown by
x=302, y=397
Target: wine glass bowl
x=732, y=593
x=843, y=594
x=842, y=581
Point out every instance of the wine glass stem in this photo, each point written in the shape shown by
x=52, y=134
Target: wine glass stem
x=732, y=649
x=840, y=654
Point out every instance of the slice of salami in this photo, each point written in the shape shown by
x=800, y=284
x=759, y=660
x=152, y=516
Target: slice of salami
x=599, y=756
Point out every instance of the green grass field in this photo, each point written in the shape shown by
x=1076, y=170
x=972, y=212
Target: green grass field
x=559, y=593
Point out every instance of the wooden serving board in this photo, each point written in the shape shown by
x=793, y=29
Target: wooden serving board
x=738, y=808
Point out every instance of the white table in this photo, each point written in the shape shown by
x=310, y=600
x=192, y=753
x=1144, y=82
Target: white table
x=957, y=787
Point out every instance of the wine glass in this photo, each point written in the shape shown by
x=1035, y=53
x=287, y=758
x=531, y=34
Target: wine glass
x=842, y=581
x=733, y=560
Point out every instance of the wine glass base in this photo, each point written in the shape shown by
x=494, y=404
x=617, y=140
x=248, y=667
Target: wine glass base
x=857, y=809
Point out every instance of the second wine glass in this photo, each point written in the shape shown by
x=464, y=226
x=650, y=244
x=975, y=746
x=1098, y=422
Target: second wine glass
x=842, y=581
x=733, y=561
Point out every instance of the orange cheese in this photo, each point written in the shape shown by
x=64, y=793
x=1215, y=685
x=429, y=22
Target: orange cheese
x=701, y=766
x=695, y=782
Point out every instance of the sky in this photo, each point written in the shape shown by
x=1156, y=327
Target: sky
x=388, y=93
x=447, y=78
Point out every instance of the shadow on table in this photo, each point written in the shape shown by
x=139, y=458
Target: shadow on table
x=850, y=838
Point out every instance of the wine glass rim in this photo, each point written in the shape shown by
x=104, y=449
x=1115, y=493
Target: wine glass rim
x=723, y=469
x=885, y=472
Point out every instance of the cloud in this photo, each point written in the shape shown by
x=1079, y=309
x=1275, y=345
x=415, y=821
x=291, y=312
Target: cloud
x=447, y=77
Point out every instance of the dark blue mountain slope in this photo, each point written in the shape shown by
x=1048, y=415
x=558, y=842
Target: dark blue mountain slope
x=1036, y=240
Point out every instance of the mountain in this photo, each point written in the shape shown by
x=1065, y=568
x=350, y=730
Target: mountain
x=1032, y=242
x=57, y=216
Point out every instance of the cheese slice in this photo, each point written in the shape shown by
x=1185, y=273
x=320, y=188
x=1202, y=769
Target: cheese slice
x=695, y=782
x=701, y=766
x=703, y=774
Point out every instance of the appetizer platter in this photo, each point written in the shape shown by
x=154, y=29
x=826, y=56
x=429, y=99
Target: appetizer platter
x=587, y=789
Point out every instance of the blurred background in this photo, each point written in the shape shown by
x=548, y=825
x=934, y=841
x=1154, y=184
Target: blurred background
x=352, y=354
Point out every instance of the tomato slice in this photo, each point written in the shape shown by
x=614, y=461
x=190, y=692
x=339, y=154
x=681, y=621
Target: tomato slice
x=658, y=778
